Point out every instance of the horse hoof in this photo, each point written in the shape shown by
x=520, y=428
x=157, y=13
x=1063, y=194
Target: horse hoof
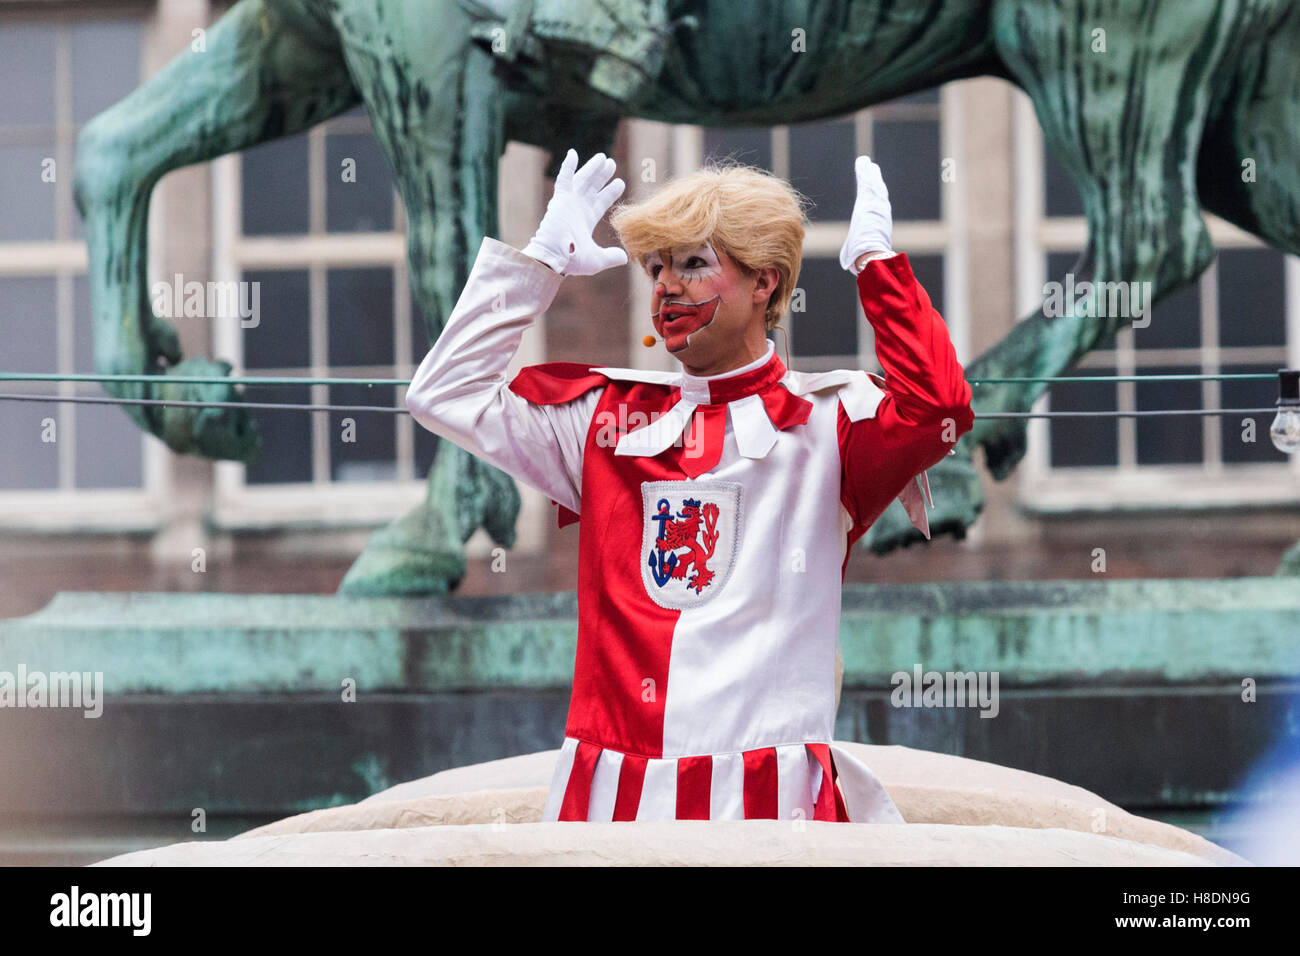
x=219, y=433
x=1004, y=445
x=387, y=570
x=1290, y=563
x=411, y=556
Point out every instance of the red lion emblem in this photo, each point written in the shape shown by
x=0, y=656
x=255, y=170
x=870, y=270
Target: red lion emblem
x=685, y=532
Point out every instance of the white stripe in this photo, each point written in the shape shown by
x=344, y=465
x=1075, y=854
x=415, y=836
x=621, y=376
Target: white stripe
x=560, y=780
x=604, y=786
x=727, y=788
x=794, y=796
x=912, y=497
x=659, y=792
x=774, y=625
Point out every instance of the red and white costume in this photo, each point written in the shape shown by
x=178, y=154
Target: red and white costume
x=716, y=520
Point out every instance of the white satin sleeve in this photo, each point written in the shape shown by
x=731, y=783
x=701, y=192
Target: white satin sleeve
x=460, y=391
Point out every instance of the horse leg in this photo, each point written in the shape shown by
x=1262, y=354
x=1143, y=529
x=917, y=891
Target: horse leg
x=1248, y=170
x=265, y=72
x=439, y=115
x=1127, y=123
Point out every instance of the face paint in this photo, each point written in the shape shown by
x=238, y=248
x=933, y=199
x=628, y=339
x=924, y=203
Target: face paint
x=691, y=265
x=680, y=316
x=676, y=321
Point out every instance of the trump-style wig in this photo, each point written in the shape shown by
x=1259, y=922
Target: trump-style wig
x=754, y=217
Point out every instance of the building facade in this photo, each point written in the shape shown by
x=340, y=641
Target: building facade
x=314, y=221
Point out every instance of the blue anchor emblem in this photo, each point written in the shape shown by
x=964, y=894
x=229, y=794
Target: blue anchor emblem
x=662, y=563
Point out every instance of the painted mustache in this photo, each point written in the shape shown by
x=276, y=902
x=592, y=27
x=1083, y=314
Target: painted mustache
x=676, y=321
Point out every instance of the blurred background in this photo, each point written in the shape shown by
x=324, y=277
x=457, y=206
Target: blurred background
x=108, y=508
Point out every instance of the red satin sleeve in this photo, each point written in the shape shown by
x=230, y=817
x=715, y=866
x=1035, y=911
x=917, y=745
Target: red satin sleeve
x=927, y=402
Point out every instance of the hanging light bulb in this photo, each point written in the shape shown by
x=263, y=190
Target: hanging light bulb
x=1285, y=431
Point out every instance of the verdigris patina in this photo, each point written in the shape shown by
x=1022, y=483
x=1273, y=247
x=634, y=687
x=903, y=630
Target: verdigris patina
x=1187, y=106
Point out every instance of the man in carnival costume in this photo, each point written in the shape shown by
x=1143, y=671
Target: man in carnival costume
x=718, y=504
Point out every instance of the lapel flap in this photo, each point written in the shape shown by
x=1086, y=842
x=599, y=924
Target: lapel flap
x=658, y=435
x=752, y=428
x=860, y=392
x=650, y=376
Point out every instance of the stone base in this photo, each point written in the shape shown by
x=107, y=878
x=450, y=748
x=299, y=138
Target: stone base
x=958, y=812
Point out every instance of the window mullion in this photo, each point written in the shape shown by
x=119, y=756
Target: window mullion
x=1211, y=364
x=318, y=304
x=1126, y=396
x=779, y=143
x=402, y=345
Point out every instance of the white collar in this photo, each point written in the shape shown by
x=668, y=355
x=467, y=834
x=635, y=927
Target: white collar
x=859, y=392
x=695, y=388
x=752, y=427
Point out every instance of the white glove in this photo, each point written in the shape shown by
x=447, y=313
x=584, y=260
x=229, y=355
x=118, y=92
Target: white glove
x=872, y=224
x=581, y=199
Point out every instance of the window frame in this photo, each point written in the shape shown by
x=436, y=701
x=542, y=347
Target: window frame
x=1044, y=490
x=323, y=502
x=946, y=236
x=241, y=505
x=64, y=259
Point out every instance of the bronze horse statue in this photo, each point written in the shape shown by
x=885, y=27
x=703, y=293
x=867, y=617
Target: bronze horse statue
x=1153, y=130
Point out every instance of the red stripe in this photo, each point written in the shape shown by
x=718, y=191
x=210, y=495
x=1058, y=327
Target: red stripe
x=702, y=449
x=564, y=516
x=630, y=780
x=760, y=784
x=785, y=409
x=577, y=794
x=620, y=674
x=555, y=382
x=694, y=781
x=841, y=811
x=827, y=795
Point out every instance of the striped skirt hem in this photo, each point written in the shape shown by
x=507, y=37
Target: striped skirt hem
x=788, y=782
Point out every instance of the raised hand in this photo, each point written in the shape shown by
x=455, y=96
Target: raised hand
x=872, y=225
x=581, y=199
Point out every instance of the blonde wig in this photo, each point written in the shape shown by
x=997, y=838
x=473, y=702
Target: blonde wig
x=756, y=218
